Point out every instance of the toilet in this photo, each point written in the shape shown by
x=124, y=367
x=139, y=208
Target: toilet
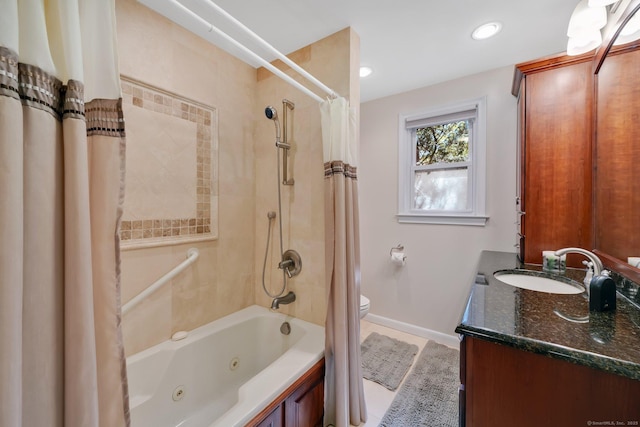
x=364, y=306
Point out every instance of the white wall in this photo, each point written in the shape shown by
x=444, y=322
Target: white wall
x=430, y=291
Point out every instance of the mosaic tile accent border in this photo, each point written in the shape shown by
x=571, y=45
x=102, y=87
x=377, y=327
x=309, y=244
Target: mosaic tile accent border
x=148, y=232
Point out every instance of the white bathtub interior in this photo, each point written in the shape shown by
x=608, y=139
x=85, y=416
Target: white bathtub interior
x=223, y=373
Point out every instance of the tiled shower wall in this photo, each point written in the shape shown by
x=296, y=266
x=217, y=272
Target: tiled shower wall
x=333, y=60
x=227, y=276
x=163, y=55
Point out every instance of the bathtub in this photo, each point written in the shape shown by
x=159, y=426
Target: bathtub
x=223, y=373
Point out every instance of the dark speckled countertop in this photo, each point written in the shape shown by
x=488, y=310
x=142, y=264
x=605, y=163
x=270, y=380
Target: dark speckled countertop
x=537, y=321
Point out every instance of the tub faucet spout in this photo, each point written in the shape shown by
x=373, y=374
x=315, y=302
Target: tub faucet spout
x=287, y=299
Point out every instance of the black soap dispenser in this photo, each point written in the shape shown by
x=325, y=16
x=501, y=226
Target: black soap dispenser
x=602, y=294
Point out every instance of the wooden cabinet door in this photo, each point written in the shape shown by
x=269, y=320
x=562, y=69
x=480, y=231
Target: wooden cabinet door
x=300, y=405
x=507, y=387
x=305, y=406
x=558, y=161
x=274, y=419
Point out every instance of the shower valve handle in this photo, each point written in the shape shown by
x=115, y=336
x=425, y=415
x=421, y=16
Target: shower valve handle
x=291, y=263
x=286, y=265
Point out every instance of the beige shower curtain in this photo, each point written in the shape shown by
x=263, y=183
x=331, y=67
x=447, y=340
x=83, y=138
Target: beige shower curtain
x=61, y=188
x=344, y=393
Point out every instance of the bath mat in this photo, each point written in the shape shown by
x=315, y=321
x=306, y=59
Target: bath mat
x=386, y=360
x=429, y=396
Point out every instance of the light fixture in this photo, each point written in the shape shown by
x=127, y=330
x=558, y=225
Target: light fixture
x=585, y=19
x=365, y=71
x=486, y=30
x=596, y=3
x=630, y=32
x=585, y=43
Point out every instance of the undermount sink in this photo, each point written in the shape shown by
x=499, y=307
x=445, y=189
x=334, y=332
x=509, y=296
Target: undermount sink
x=539, y=281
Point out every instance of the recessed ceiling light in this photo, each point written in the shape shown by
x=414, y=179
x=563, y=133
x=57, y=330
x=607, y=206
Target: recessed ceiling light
x=487, y=30
x=365, y=71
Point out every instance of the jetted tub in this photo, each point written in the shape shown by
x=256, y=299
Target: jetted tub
x=223, y=373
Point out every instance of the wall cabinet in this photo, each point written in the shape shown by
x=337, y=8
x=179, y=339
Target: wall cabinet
x=503, y=386
x=554, y=200
x=301, y=405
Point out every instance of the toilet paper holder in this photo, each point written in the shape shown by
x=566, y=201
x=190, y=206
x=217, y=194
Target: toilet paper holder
x=398, y=248
x=397, y=256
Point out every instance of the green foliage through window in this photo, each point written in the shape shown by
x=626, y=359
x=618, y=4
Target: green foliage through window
x=444, y=143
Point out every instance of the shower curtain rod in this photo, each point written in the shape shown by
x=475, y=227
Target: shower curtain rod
x=272, y=49
x=212, y=28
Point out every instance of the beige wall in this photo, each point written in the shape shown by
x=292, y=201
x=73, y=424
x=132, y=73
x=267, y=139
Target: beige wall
x=430, y=291
x=227, y=276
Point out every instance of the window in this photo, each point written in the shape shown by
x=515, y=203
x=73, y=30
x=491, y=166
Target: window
x=442, y=165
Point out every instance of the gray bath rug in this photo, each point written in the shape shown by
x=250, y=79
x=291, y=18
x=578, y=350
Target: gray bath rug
x=429, y=396
x=386, y=360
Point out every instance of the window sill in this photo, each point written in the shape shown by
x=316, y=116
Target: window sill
x=475, y=220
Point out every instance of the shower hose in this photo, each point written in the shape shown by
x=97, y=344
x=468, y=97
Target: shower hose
x=271, y=215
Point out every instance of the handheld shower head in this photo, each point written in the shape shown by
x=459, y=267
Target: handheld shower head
x=272, y=114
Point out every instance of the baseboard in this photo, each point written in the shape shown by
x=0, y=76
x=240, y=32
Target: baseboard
x=448, y=340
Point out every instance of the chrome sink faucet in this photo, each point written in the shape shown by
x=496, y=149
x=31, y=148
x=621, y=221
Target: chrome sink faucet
x=598, y=268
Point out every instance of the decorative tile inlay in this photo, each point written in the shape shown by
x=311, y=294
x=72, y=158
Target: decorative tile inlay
x=171, y=189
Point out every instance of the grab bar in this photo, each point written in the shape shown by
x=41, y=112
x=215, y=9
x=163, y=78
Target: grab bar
x=192, y=255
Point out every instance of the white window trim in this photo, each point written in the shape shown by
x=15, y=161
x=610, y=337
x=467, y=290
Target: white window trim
x=406, y=151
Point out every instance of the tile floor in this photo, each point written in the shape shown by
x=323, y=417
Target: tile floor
x=379, y=398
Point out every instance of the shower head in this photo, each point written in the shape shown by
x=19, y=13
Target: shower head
x=272, y=114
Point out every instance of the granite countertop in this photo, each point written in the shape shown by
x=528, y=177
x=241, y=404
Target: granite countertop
x=558, y=326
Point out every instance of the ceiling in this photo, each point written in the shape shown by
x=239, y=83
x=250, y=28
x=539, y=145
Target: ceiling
x=408, y=43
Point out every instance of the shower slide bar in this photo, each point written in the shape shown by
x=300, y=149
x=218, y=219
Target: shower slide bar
x=212, y=28
x=192, y=256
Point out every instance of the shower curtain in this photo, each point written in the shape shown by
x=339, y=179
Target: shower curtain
x=344, y=393
x=61, y=191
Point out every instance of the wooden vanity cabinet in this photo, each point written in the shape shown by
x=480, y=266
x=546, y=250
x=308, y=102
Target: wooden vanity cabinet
x=554, y=202
x=503, y=386
x=301, y=405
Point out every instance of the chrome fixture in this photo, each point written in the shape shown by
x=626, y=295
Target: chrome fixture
x=287, y=299
x=272, y=114
x=285, y=328
x=271, y=215
x=286, y=106
x=290, y=262
x=598, y=268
